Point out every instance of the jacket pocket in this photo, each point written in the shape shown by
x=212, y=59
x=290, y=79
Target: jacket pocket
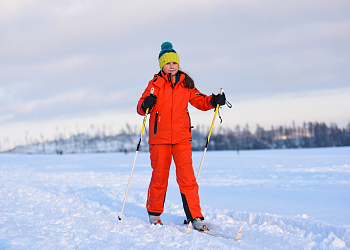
x=156, y=123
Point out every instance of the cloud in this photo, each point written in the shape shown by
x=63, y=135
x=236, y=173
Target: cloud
x=71, y=59
x=69, y=105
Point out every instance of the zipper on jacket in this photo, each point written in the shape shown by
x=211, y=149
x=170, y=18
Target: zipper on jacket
x=189, y=118
x=156, y=124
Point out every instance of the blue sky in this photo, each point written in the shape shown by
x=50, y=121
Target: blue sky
x=69, y=66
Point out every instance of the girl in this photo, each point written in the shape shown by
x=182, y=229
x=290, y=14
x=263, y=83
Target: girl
x=170, y=134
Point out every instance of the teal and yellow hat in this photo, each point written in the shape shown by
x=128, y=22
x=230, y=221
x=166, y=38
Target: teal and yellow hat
x=167, y=55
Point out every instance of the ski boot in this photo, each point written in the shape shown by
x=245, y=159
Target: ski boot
x=199, y=225
x=155, y=220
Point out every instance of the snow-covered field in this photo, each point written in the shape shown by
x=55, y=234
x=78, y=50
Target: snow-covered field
x=283, y=199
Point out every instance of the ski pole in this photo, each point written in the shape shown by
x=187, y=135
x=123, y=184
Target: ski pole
x=133, y=165
x=211, y=128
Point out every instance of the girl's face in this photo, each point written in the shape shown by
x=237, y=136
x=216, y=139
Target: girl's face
x=171, y=67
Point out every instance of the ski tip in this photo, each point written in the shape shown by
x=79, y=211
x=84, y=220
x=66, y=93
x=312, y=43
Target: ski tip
x=189, y=228
x=239, y=234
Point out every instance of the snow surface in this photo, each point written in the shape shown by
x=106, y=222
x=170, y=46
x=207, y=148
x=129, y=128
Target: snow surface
x=283, y=199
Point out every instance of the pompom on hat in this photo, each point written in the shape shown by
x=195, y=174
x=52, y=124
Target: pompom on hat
x=167, y=55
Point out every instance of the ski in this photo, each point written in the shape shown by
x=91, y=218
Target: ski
x=239, y=234
x=189, y=228
x=215, y=234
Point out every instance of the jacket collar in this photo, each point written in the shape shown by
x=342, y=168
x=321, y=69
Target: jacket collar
x=168, y=77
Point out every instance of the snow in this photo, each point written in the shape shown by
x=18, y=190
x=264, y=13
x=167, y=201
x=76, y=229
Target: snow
x=283, y=199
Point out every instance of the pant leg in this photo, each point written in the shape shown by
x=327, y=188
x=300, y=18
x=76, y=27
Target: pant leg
x=182, y=154
x=160, y=161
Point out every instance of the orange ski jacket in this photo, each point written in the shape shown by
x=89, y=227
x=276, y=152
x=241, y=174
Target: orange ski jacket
x=170, y=121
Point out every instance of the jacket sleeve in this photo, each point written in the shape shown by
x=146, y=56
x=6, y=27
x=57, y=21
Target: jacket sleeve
x=200, y=100
x=146, y=93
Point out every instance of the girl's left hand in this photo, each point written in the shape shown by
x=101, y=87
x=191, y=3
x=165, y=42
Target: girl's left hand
x=218, y=99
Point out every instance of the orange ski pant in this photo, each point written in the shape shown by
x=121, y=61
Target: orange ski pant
x=161, y=156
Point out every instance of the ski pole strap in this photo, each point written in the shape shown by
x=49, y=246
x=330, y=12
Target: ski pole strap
x=227, y=103
x=220, y=116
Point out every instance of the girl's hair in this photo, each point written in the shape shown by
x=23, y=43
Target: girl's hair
x=189, y=83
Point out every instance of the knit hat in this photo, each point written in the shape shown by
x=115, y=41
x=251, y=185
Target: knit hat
x=167, y=55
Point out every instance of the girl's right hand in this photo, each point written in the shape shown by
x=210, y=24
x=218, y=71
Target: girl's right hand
x=149, y=102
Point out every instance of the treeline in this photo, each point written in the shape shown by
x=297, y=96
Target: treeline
x=308, y=136
x=83, y=143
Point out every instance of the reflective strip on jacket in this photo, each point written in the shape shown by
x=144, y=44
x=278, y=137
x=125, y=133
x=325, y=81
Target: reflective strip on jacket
x=170, y=121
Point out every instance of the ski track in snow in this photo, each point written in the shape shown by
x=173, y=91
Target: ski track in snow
x=73, y=202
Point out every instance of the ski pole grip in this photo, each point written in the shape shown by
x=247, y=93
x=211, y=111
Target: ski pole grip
x=152, y=90
x=221, y=91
